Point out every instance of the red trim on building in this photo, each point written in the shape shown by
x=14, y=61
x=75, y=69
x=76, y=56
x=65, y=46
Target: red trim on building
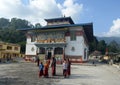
x=28, y=35
x=67, y=34
x=30, y=55
x=75, y=59
x=79, y=33
x=29, y=58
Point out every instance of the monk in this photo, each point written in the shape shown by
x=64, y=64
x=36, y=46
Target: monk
x=46, y=67
x=68, y=67
x=41, y=67
x=53, y=66
x=64, y=68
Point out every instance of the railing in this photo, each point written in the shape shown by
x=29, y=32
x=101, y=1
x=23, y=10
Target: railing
x=52, y=41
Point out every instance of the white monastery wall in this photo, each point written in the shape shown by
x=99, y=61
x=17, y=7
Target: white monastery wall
x=87, y=51
x=31, y=49
x=78, y=46
x=28, y=39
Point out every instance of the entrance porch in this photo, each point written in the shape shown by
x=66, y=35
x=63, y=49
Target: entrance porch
x=47, y=51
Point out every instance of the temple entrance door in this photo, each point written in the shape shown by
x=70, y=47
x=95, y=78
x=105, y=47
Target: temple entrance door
x=49, y=55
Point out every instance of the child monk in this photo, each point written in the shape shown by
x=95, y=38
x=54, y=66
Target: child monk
x=64, y=68
x=46, y=67
x=41, y=67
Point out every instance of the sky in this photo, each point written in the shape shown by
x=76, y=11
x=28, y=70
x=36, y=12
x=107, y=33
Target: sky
x=104, y=14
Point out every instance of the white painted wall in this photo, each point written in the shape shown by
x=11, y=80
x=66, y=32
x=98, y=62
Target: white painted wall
x=29, y=49
x=87, y=50
x=78, y=45
x=28, y=40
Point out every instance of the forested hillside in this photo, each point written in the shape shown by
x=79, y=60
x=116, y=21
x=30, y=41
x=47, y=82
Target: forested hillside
x=9, y=32
x=101, y=44
x=109, y=39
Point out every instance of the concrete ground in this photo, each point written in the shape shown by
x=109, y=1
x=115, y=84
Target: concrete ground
x=25, y=73
x=93, y=75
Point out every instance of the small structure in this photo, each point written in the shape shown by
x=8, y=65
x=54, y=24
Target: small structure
x=112, y=58
x=60, y=38
x=96, y=54
x=9, y=51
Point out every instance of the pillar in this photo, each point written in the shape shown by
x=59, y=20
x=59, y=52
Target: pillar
x=46, y=52
x=63, y=53
x=37, y=51
x=53, y=55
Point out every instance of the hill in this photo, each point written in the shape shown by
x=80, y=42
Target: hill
x=109, y=39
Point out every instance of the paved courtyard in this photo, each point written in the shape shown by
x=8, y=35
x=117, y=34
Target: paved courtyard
x=25, y=73
x=93, y=75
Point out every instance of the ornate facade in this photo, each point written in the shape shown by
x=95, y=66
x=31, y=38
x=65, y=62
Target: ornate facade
x=60, y=38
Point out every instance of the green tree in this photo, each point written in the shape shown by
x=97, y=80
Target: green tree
x=19, y=23
x=113, y=47
x=101, y=46
x=4, y=23
x=93, y=45
x=37, y=25
x=10, y=33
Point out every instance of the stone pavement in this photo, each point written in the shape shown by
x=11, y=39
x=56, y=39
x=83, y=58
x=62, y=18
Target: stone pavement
x=87, y=74
x=26, y=73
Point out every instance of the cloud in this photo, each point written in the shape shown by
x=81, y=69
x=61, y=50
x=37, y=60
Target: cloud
x=37, y=10
x=71, y=8
x=15, y=8
x=114, y=29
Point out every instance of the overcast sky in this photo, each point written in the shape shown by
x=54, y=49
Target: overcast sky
x=104, y=14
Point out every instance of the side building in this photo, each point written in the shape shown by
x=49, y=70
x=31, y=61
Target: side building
x=60, y=38
x=9, y=51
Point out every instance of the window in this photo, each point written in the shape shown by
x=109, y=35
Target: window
x=0, y=46
x=32, y=38
x=85, y=54
x=16, y=48
x=42, y=50
x=9, y=48
x=72, y=36
x=58, y=50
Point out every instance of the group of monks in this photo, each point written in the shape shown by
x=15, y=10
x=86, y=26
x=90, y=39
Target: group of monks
x=43, y=68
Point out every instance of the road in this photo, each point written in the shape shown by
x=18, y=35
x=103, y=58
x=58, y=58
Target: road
x=25, y=73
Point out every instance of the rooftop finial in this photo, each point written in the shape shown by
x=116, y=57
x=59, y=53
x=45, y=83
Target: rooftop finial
x=64, y=15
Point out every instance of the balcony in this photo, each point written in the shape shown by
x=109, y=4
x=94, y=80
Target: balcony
x=49, y=40
x=50, y=44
